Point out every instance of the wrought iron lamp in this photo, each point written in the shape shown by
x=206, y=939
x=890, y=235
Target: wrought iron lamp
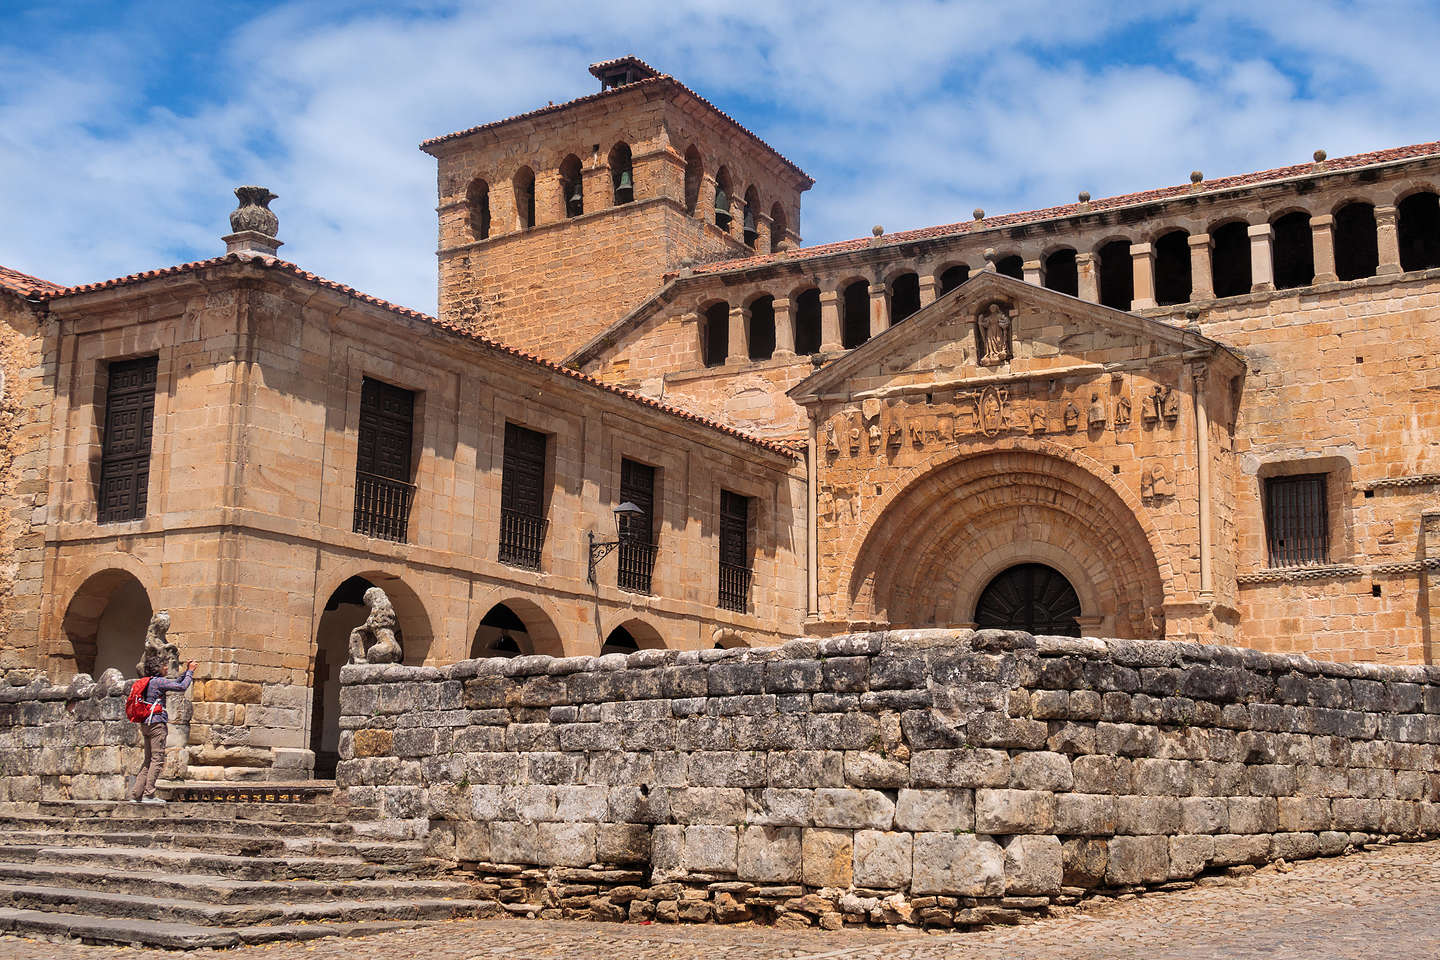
x=599, y=550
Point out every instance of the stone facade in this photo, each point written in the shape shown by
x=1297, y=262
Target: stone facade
x=934, y=777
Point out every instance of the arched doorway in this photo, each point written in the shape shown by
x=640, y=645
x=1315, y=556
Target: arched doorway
x=619, y=640
x=501, y=634
x=632, y=635
x=105, y=623
x=1032, y=597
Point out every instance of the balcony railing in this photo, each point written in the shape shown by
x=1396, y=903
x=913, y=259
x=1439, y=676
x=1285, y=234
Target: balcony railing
x=637, y=565
x=382, y=506
x=522, y=537
x=734, y=587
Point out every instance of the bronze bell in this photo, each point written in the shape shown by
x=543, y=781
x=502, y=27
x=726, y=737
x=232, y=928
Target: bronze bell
x=625, y=185
x=749, y=220
x=575, y=202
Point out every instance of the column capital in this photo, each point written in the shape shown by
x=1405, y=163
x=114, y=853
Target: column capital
x=1259, y=230
x=877, y=289
x=829, y=296
x=1142, y=249
x=782, y=303
x=1198, y=240
x=1323, y=220
x=1386, y=213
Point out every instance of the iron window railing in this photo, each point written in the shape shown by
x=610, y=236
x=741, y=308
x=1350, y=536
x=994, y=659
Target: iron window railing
x=382, y=506
x=637, y=566
x=734, y=587
x=1297, y=521
x=522, y=538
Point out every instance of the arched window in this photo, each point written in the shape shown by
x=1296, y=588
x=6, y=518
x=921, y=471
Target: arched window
x=1061, y=274
x=779, y=226
x=1117, y=275
x=694, y=176
x=807, y=322
x=762, y=328
x=715, y=337
x=1293, y=251
x=1419, y=226
x=1172, y=268
x=751, y=225
x=1011, y=266
x=722, y=199
x=855, y=321
x=478, y=200
x=1357, y=253
x=622, y=177
x=524, y=184
x=904, y=296
x=572, y=187
x=1230, y=259
x=953, y=277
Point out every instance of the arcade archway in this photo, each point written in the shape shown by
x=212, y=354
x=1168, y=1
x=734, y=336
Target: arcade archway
x=105, y=623
x=1032, y=597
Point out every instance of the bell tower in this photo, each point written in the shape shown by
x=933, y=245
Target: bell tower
x=556, y=223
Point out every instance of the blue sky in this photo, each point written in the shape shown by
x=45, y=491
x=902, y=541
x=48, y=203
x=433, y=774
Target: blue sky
x=124, y=126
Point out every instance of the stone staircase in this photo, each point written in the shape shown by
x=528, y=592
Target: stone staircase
x=218, y=870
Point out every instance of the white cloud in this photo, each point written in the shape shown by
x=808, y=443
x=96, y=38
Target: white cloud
x=907, y=114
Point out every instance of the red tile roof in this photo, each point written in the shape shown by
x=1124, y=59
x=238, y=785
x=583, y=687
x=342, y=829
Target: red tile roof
x=598, y=70
x=24, y=284
x=56, y=292
x=1072, y=209
x=660, y=80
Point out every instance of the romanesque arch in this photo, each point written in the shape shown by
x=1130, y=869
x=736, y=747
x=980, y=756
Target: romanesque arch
x=942, y=537
x=517, y=622
x=104, y=623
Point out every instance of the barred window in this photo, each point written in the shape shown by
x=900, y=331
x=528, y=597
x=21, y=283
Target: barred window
x=734, y=552
x=383, y=491
x=1297, y=520
x=522, y=498
x=125, y=447
x=637, y=534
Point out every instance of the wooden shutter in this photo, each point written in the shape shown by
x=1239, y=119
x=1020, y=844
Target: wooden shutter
x=522, y=482
x=734, y=529
x=387, y=421
x=125, y=447
x=637, y=486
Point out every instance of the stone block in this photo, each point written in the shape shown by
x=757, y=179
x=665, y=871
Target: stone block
x=1232, y=849
x=1040, y=770
x=1033, y=866
x=1204, y=815
x=883, y=859
x=372, y=743
x=1084, y=861
x=772, y=807
x=667, y=853
x=1141, y=815
x=935, y=810
x=1303, y=814
x=1170, y=778
x=963, y=865
x=566, y=844
x=723, y=805
x=622, y=843
x=853, y=809
x=1134, y=860
x=1253, y=815
x=960, y=768
x=710, y=849
x=1294, y=846
x=804, y=769
x=514, y=842
x=1101, y=774
x=845, y=674
x=770, y=854
x=1190, y=854
x=866, y=769
x=827, y=857
x=1084, y=814
x=589, y=803
x=1014, y=811
x=793, y=676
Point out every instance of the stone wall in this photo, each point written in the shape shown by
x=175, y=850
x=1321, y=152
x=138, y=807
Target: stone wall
x=940, y=777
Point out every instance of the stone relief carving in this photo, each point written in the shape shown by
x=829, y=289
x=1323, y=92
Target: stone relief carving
x=157, y=647
x=1154, y=482
x=831, y=444
x=854, y=441
x=1163, y=403
x=993, y=324
x=1122, y=412
x=1096, y=412
x=374, y=640
x=1072, y=416
x=1038, y=422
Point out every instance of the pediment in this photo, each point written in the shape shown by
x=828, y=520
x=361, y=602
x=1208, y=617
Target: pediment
x=995, y=327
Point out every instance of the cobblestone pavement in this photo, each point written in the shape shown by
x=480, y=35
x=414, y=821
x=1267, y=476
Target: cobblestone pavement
x=1376, y=905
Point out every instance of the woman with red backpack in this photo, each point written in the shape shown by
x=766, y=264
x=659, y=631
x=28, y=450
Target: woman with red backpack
x=146, y=706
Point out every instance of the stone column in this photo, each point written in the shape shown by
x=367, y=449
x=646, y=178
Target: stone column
x=1030, y=270
x=596, y=189
x=1387, y=239
x=1202, y=454
x=1202, y=279
x=879, y=310
x=737, y=352
x=705, y=203
x=737, y=218
x=1088, y=277
x=929, y=289
x=1142, y=260
x=1262, y=263
x=549, y=198
x=830, y=340
x=784, y=328
x=762, y=228
x=1322, y=241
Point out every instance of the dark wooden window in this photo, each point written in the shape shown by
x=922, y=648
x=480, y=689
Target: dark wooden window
x=1297, y=521
x=522, y=498
x=734, y=551
x=637, y=535
x=125, y=449
x=383, y=491
x=1030, y=597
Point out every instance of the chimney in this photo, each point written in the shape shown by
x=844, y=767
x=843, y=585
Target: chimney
x=253, y=223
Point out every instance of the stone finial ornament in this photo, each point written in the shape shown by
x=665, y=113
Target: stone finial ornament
x=1319, y=156
x=160, y=656
x=1084, y=196
x=979, y=213
x=877, y=230
x=253, y=223
x=1196, y=176
x=374, y=640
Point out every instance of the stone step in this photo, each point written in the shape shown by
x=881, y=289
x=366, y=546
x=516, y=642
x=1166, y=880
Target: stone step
x=210, y=889
x=157, y=859
x=390, y=829
x=383, y=851
x=42, y=924
x=263, y=812
x=256, y=792
x=101, y=903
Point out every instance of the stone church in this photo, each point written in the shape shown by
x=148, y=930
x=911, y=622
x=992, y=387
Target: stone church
x=648, y=416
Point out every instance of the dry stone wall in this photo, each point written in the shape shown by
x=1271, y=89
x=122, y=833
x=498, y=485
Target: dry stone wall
x=937, y=777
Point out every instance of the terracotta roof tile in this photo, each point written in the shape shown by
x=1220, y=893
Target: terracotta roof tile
x=56, y=292
x=24, y=284
x=661, y=79
x=1072, y=209
x=596, y=69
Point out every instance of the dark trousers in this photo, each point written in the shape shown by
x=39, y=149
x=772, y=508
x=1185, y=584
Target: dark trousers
x=144, y=785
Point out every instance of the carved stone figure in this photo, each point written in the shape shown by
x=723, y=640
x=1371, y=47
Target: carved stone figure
x=1154, y=482
x=1072, y=416
x=994, y=325
x=1096, y=412
x=1170, y=406
x=895, y=435
x=374, y=640
x=254, y=212
x=1162, y=402
x=874, y=434
x=1038, y=423
x=854, y=441
x=160, y=655
x=825, y=505
x=831, y=444
x=1122, y=412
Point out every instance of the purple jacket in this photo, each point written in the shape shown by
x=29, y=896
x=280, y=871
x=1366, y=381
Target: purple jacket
x=155, y=693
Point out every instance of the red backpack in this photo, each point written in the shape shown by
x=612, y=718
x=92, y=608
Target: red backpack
x=136, y=709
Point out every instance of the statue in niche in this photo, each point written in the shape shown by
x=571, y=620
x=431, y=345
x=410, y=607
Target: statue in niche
x=895, y=435
x=1072, y=415
x=990, y=411
x=1170, y=409
x=825, y=505
x=374, y=640
x=1096, y=413
x=158, y=647
x=874, y=434
x=854, y=441
x=1122, y=412
x=1162, y=402
x=831, y=444
x=1154, y=482
x=994, y=328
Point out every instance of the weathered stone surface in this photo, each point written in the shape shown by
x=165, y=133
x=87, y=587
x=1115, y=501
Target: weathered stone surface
x=957, y=865
x=770, y=854
x=935, y=810
x=1137, y=860
x=855, y=809
x=1014, y=811
x=1033, y=866
x=827, y=857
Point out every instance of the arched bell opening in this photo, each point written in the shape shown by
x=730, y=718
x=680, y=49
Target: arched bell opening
x=952, y=277
x=1357, y=250
x=1062, y=273
x=904, y=296
x=1117, y=275
x=855, y=314
x=1419, y=231
x=1172, y=268
x=1032, y=597
x=807, y=322
x=1230, y=259
x=105, y=623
